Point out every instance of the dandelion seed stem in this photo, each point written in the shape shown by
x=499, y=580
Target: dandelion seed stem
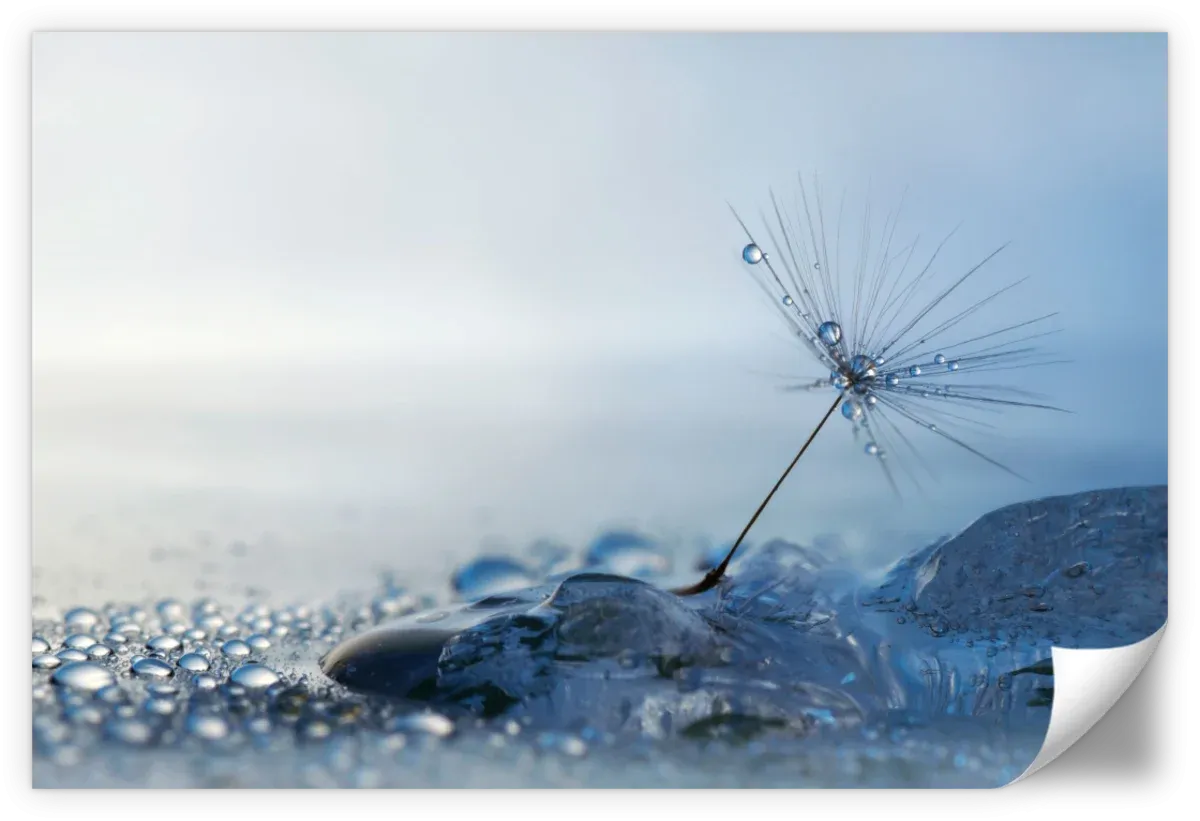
x=715, y=575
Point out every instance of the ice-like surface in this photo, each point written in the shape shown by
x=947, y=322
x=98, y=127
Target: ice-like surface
x=794, y=671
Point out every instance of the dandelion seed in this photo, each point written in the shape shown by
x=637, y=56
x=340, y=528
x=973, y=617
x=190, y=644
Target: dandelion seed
x=888, y=310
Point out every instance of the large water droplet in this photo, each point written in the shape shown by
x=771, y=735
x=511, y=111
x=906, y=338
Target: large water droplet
x=254, y=676
x=830, y=333
x=78, y=641
x=81, y=618
x=83, y=675
x=489, y=575
x=163, y=644
x=752, y=254
x=40, y=645
x=45, y=661
x=852, y=410
x=235, y=648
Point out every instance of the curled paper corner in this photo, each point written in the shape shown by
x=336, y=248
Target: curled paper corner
x=1087, y=683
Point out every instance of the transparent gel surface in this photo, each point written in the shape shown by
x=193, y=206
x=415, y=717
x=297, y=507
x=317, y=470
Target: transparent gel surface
x=577, y=668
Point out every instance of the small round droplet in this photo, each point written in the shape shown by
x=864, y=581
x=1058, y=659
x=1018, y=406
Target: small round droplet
x=940, y=359
x=254, y=676
x=258, y=641
x=953, y=366
x=871, y=449
x=152, y=668
x=193, y=663
x=830, y=333
x=872, y=399
x=787, y=300
x=852, y=410
x=235, y=648
x=752, y=254
x=83, y=675
x=99, y=651
x=205, y=682
x=915, y=370
x=892, y=380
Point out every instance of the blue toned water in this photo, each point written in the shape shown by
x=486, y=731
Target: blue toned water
x=570, y=667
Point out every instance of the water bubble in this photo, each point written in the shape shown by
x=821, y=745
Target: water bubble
x=163, y=644
x=627, y=554
x=852, y=410
x=45, y=661
x=236, y=648
x=40, y=645
x=871, y=449
x=254, y=676
x=488, y=575
x=752, y=254
x=915, y=370
x=953, y=366
x=83, y=675
x=830, y=333
x=81, y=617
x=152, y=668
x=940, y=359
x=193, y=662
x=787, y=300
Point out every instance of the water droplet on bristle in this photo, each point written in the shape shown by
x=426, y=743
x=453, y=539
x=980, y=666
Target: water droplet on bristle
x=752, y=254
x=915, y=370
x=940, y=359
x=830, y=333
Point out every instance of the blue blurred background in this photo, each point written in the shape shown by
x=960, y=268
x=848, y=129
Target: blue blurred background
x=309, y=306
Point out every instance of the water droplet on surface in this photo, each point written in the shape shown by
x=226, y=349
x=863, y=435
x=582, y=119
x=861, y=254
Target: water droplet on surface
x=752, y=254
x=81, y=617
x=434, y=724
x=1076, y=570
x=852, y=410
x=83, y=675
x=236, y=648
x=254, y=676
x=163, y=644
x=193, y=662
x=78, y=641
x=205, y=682
x=99, y=651
x=489, y=575
x=871, y=449
x=940, y=359
x=871, y=399
x=787, y=300
x=915, y=370
x=258, y=641
x=152, y=668
x=627, y=554
x=45, y=661
x=953, y=366
x=71, y=654
x=830, y=333
x=207, y=727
